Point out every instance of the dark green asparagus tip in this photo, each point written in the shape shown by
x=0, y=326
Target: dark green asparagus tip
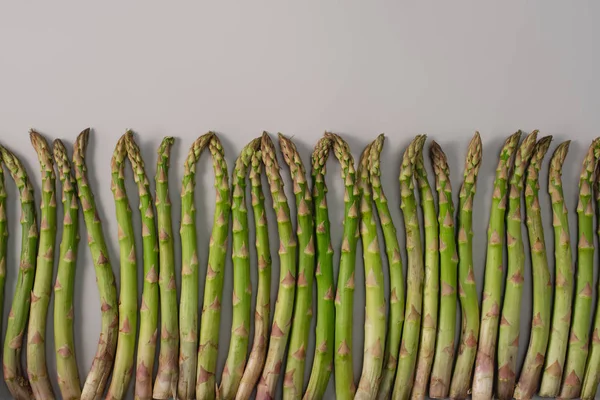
x=557, y=160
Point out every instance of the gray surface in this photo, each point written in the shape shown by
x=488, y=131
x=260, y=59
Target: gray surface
x=353, y=67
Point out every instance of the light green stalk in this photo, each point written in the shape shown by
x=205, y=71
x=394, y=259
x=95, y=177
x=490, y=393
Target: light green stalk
x=165, y=385
x=467, y=289
x=578, y=341
x=483, y=380
x=508, y=336
x=282, y=318
x=414, y=288
x=324, y=330
x=3, y=239
x=15, y=379
x=392, y=247
x=242, y=287
x=66, y=362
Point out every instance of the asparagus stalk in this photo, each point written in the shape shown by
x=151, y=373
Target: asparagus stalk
x=578, y=341
x=149, y=307
x=563, y=278
x=37, y=369
x=414, y=288
x=508, y=336
x=432, y=276
x=165, y=385
x=492, y=291
x=66, y=362
x=188, y=306
x=324, y=330
x=444, y=352
x=344, y=298
x=396, y=313
x=294, y=369
x=3, y=239
x=467, y=289
x=242, y=287
x=15, y=379
x=282, y=317
x=128, y=295
x=256, y=359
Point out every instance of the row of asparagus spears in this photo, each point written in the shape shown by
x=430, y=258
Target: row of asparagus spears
x=409, y=338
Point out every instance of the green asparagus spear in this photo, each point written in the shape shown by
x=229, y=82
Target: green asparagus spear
x=432, y=276
x=256, y=359
x=282, y=317
x=66, y=362
x=467, y=290
x=396, y=313
x=294, y=369
x=188, y=306
x=128, y=296
x=242, y=293
x=414, y=288
x=165, y=385
x=578, y=341
x=563, y=278
x=324, y=330
x=3, y=239
x=15, y=379
x=508, y=336
x=483, y=379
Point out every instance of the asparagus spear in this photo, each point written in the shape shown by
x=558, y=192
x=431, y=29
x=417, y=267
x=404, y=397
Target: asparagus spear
x=128, y=296
x=149, y=307
x=42, y=286
x=467, y=290
x=432, y=276
x=578, y=341
x=444, y=352
x=188, y=306
x=66, y=362
x=256, y=359
x=563, y=278
x=490, y=309
x=542, y=286
x=242, y=287
x=15, y=379
x=3, y=239
x=294, y=369
x=508, y=336
x=414, y=288
x=282, y=317
x=396, y=313
x=165, y=385
x=344, y=298
x=324, y=330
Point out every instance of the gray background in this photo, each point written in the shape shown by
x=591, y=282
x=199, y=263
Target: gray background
x=356, y=68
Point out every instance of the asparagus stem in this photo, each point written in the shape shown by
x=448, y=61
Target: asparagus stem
x=165, y=385
x=3, y=239
x=282, y=317
x=295, y=365
x=242, y=287
x=414, y=288
x=128, y=296
x=344, y=298
x=213, y=289
x=66, y=362
x=578, y=341
x=563, y=278
x=467, y=289
x=256, y=359
x=324, y=330
x=37, y=369
x=15, y=379
x=432, y=276
x=188, y=306
x=508, y=336
x=444, y=352
x=396, y=312
x=149, y=306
